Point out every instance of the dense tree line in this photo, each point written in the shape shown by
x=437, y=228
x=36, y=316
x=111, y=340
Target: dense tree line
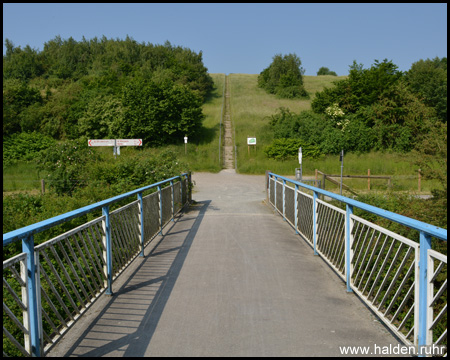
x=104, y=88
x=379, y=108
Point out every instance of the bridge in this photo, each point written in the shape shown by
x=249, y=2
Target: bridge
x=242, y=266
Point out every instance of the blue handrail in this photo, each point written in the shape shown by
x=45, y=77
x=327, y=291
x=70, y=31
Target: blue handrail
x=26, y=233
x=404, y=220
x=40, y=226
x=426, y=232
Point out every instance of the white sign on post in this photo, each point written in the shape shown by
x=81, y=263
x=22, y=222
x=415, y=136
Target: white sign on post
x=251, y=141
x=128, y=142
x=185, y=139
x=116, y=143
x=300, y=155
x=101, y=142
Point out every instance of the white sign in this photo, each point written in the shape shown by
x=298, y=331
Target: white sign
x=101, y=142
x=300, y=155
x=128, y=142
x=251, y=141
x=185, y=139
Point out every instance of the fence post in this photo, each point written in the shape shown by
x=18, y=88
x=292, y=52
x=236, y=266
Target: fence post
x=368, y=179
x=275, y=193
x=284, y=200
x=296, y=209
x=43, y=186
x=424, y=246
x=348, y=245
x=420, y=178
x=160, y=210
x=108, y=249
x=141, y=220
x=32, y=285
x=173, y=200
x=315, y=221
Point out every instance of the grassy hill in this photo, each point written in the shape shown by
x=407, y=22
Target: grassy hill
x=251, y=109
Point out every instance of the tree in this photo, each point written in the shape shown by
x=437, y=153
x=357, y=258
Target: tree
x=325, y=71
x=362, y=87
x=428, y=79
x=283, y=77
x=158, y=113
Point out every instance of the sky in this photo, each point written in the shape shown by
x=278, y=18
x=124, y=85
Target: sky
x=244, y=37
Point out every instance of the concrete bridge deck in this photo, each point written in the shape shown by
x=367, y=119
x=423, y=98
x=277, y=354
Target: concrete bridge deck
x=227, y=278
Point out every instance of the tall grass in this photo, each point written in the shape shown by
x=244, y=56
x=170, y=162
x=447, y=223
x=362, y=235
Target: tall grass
x=21, y=176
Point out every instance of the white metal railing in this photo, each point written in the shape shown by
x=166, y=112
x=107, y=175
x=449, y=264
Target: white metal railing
x=403, y=281
x=49, y=286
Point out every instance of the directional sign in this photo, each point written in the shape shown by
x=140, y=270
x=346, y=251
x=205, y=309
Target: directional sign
x=129, y=142
x=251, y=141
x=101, y=142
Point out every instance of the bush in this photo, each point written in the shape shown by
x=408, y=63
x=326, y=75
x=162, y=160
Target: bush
x=282, y=149
x=25, y=146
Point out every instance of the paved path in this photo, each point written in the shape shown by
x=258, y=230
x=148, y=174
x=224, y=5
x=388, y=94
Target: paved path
x=227, y=278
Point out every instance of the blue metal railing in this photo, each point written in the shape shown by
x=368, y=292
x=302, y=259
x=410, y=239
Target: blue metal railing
x=387, y=273
x=69, y=272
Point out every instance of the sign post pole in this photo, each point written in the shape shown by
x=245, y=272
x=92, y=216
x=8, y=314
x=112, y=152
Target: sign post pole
x=342, y=166
x=300, y=160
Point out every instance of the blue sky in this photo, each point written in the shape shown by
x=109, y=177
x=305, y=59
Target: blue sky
x=243, y=38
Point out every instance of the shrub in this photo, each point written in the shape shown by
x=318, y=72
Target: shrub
x=282, y=149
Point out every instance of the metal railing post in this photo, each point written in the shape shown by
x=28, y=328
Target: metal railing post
x=173, y=200
x=315, y=221
x=32, y=286
x=108, y=249
x=275, y=193
x=160, y=210
x=141, y=221
x=425, y=245
x=348, y=245
x=284, y=200
x=296, y=209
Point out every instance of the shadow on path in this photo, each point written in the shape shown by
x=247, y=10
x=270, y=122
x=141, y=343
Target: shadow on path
x=127, y=323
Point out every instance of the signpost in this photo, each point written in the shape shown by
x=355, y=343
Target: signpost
x=116, y=143
x=185, y=144
x=300, y=161
x=250, y=141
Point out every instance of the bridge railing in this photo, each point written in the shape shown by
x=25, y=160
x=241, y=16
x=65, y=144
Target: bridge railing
x=49, y=286
x=403, y=281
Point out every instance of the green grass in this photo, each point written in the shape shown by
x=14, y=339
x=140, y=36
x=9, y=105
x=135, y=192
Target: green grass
x=22, y=176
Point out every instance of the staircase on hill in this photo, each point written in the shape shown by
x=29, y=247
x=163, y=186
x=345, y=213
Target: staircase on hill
x=228, y=143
